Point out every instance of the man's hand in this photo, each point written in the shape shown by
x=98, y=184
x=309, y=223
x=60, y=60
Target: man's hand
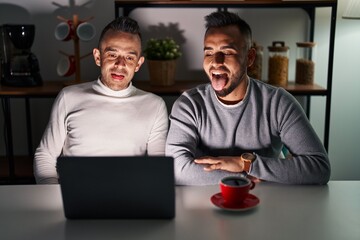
x=227, y=163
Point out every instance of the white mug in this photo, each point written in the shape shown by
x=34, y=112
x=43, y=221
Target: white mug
x=85, y=31
x=64, y=31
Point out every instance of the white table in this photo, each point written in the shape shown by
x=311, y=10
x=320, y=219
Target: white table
x=285, y=212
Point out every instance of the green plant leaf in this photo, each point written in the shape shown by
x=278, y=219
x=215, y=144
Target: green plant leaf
x=162, y=49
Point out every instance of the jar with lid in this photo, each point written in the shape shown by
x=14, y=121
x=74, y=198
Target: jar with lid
x=278, y=63
x=305, y=62
x=255, y=70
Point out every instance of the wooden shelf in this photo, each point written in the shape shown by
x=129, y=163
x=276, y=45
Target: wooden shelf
x=305, y=89
x=48, y=89
x=52, y=88
x=181, y=86
x=23, y=170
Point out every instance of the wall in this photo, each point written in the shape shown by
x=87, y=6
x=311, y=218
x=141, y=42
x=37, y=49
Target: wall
x=345, y=112
x=189, y=31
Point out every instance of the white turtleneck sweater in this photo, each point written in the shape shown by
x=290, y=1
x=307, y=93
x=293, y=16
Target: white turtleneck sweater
x=90, y=119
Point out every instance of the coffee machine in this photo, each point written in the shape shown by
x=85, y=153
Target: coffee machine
x=18, y=65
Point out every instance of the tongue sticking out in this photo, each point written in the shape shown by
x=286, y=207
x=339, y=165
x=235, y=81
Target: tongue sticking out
x=219, y=81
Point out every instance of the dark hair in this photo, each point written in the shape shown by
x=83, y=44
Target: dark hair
x=122, y=24
x=224, y=19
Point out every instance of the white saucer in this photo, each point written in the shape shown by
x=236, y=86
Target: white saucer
x=250, y=202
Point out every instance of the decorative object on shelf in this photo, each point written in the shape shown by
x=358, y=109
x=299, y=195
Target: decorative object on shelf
x=278, y=63
x=305, y=62
x=73, y=29
x=255, y=70
x=161, y=55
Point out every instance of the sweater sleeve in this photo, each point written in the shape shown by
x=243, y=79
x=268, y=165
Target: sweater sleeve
x=182, y=143
x=157, y=138
x=269, y=120
x=51, y=144
x=309, y=163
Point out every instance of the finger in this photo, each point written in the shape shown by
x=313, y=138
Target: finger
x=212, y=167
x=208, y=169
x=206, y=161
x=254, y=179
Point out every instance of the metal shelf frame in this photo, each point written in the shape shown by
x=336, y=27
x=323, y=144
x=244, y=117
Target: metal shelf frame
x=309, y=6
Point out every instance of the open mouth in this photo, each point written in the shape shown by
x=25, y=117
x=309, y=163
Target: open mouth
x=219, y=80
x=117, y=76
x=219, y=75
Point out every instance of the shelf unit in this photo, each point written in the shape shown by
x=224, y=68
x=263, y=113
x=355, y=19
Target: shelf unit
x=19, y=168
x=309, y=6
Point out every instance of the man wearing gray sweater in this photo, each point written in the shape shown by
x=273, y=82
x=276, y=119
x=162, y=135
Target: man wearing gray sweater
x=236, y=125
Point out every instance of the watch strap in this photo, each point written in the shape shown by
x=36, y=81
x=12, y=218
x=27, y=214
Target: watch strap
x=247, y=159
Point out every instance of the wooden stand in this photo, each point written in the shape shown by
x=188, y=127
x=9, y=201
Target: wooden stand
x=76, y=40
x=76, y=50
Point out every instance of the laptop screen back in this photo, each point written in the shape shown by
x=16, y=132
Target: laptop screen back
x=117, y=187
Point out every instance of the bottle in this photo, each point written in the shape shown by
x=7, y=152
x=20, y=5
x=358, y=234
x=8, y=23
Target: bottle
x=255, y=70
x=305, y=64
x=278, y=63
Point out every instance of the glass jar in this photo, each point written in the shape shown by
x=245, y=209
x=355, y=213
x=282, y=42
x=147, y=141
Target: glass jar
x=305, y=64
x=255, y=70
x=278, y=63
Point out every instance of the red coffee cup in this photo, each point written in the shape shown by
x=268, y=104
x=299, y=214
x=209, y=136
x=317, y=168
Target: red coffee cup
x=235, y=189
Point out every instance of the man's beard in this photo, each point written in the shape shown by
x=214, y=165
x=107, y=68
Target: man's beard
x=233, y=84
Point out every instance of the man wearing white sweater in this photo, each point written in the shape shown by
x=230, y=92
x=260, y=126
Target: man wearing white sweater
x=108, y=116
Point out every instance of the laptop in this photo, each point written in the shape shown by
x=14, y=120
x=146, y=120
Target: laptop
x=136, y=187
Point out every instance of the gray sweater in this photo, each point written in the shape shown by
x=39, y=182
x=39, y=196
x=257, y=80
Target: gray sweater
x=263, y=122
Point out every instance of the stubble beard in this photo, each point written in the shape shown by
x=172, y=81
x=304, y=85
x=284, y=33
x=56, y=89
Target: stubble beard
x=234, y=82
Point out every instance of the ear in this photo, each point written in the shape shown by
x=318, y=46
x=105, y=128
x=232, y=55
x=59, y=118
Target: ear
x=251, y=56
x=140, y=62
x=97, y=58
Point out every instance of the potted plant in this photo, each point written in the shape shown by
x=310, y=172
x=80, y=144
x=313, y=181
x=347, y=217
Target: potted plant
x=161, y=55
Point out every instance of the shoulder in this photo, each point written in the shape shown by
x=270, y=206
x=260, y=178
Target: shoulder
x=147, y=95
x=77, y=88
x=148, y=99
x=197, y=94
x=193, y=101
x=268, y=91
x=264, y=87
x=74, y=95
x=275, y=99
x=200, y=90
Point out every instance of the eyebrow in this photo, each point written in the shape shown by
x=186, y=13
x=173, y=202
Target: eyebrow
x=221, y=48
x=111, y=49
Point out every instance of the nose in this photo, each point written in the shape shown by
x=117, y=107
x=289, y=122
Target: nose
x=218, y=58
x=120, y=61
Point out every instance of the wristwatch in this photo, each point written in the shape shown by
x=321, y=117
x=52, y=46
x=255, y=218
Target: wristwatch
x=247, y=158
